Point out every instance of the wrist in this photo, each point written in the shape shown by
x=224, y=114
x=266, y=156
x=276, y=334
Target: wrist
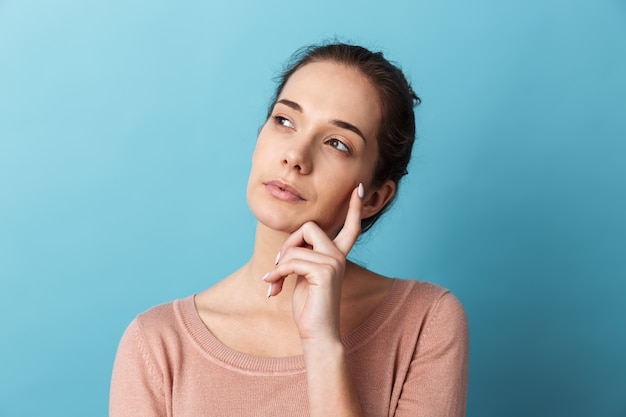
x=323, y=350
x=331, y=391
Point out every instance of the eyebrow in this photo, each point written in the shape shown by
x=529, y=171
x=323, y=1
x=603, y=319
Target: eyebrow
x=339, y=123
x=291, y=104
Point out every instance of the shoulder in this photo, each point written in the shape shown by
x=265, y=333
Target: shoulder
x=435, y=349
x=425, y=294
x=162, y=316
x=162, y=313
x=432, y=305
x=162, y=324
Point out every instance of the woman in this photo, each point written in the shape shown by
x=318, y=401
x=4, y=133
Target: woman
x=299, y=330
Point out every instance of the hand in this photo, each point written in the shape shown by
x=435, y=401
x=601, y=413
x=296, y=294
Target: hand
x=319, y=264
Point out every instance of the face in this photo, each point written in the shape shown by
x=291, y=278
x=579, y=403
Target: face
x=317, y=145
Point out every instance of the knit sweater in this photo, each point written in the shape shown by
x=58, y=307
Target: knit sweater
x=409, y=358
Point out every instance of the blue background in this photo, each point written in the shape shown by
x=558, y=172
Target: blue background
x=126, y=130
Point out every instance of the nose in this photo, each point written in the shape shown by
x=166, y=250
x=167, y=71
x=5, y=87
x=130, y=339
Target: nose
x=298, y=156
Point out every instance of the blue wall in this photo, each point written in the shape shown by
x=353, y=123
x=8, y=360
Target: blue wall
x=126, y=130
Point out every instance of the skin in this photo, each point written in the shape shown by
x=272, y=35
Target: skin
x=298, y=295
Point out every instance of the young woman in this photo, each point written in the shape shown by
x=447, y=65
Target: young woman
x=299, y=330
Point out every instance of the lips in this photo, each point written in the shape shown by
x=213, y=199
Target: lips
x=283, y=191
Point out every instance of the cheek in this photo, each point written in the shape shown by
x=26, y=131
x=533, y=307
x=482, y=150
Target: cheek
x=370, y=168
x=256, y=163
x=262, y=148
x=336, y=203
x=338, y=217
x=258, y=155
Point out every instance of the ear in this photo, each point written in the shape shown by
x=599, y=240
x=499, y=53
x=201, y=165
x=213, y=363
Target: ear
x=375, y=199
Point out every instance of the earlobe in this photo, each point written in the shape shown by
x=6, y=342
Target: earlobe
x=377, y=198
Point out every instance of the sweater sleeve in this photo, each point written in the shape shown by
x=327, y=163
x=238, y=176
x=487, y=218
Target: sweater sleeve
x=436, y=383
x=136, y=383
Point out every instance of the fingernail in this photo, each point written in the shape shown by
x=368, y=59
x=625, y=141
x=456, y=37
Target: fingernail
x=265, y=276
x=269, y=291
x=361, y=190
x=277, y=258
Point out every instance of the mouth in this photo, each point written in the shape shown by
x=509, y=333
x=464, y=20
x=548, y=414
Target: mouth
x=283, y=191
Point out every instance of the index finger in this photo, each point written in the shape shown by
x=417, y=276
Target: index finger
x=352, y=227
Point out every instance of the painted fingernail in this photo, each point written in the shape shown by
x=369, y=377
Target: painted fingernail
x=361, y=190
x=269, y=290
x=277, y=258
x=265, y=276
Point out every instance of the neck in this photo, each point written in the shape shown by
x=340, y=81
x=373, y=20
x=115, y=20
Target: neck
x=267, y=243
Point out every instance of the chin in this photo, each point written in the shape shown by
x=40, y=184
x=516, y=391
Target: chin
x=288, y=224
x=288, y=218
x=273, y=214
x=275, y=219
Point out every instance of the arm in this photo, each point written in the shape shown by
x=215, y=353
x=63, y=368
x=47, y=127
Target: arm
x=330, y=388
x=436, y=383
x=136, y=384
x=319, y=264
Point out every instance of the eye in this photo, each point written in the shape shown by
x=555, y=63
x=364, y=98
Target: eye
x=283, y=121
x=339, y=145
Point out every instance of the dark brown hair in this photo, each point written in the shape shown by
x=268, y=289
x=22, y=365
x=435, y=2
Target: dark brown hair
x=396, y=132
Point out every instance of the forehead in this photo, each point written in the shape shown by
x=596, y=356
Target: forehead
x=335, y=91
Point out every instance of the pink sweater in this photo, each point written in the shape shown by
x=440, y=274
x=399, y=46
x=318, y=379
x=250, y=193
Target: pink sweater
x=410, y=358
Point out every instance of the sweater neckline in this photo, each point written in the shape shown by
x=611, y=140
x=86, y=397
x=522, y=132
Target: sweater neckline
x=216, y=351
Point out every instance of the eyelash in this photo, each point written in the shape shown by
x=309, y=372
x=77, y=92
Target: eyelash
x=334, y=142
x=280, y=120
